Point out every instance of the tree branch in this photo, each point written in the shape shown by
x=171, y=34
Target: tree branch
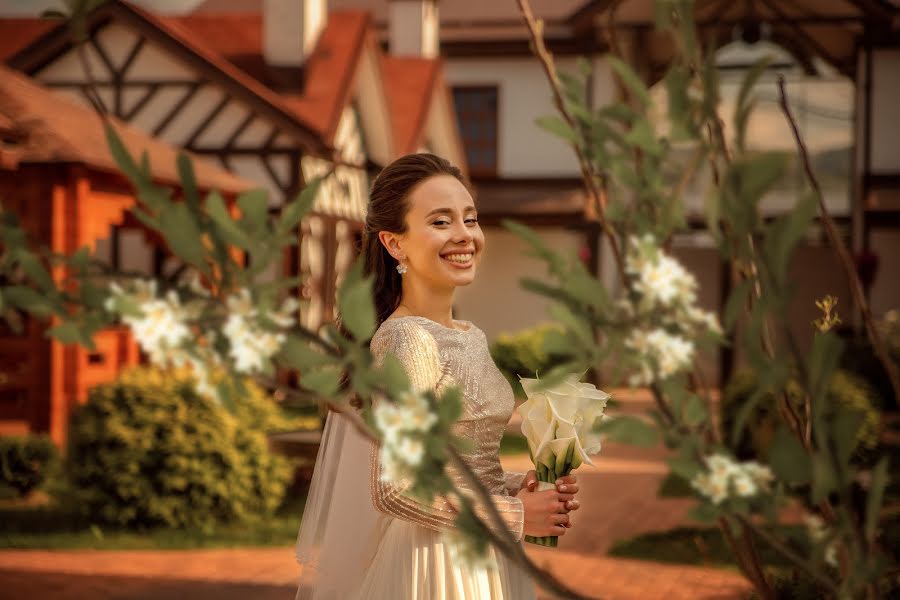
x=840, y=248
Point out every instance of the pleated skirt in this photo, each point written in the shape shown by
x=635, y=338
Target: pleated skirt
x=413, y=562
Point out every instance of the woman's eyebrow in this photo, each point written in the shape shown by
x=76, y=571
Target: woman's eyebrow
x=448, y=211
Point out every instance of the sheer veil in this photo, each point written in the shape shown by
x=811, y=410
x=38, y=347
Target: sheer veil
x=336, y=542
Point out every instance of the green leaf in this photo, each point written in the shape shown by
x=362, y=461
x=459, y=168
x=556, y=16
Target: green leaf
x=673, y=486
x=324, y=381
x=642, y=136
x=584, y=287
x=297, y=209
x=628, y=429
x=122, y=157
x=70, y=332
x=876, y=495
x=745, y=410
x=630, y=80
x=188, y=181
x=755, y=175
x=737, y=301
x=181, y=231
x=824, y=481
x=823, y=360
x=787, y=457
x=34, y=268
x=844, y=430
x=226, y=226
x=744, y=106
x=558, y=127
x=298, y=353
x=392, y=374
x=254, y=205
x=28, y=300
x=785, y=233
x=704, y=512
x=684, y=464
x=694, y=412
x=450, y=406
x=355, y=302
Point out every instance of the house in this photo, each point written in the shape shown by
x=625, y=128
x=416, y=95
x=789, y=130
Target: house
x=58, y=177
x=272, y=105
x=261, y=105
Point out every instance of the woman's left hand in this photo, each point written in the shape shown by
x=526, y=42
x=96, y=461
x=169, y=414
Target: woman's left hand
x=566, y=488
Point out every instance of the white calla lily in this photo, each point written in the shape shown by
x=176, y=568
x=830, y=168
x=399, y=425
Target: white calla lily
x=558, y=422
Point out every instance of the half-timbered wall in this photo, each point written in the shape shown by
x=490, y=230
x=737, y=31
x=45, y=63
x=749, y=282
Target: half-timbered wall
x=147, y=86
x=336, y=224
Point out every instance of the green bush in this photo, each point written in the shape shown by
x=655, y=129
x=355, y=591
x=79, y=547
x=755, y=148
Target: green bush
x=847, y=393
x=522, y=354
x=147, y=451
x=25, y=461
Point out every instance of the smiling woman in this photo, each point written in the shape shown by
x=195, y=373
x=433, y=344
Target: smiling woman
x=364, y=535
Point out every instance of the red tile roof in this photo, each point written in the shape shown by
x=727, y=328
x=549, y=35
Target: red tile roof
x=15, y=34
x=232, y=43
x=329, y=70
x=52, y=129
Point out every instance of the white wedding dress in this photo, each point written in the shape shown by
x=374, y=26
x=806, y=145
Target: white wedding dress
x=364, y=539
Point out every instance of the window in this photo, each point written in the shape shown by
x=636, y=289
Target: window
x=476, y=109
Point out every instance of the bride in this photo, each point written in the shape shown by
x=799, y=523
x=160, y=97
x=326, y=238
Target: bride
x=362, y=537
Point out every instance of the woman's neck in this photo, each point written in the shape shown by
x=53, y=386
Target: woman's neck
x=437, y=306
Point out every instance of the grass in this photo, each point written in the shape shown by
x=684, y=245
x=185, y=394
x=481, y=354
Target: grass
x=55, y=527
x=513, y=443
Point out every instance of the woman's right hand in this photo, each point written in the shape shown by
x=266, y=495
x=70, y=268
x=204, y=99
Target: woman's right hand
x=544, y=513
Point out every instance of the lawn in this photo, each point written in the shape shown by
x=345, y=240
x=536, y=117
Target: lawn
x=53, y=527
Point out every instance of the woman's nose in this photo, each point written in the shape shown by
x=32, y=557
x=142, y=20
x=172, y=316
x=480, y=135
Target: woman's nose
x=462, y=233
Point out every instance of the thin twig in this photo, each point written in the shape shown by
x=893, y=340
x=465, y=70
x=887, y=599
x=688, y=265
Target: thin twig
x=795, y=558
x=535, y=30
x=839, y=247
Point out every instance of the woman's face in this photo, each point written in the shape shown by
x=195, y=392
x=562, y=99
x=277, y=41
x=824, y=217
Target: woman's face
x=443, y=242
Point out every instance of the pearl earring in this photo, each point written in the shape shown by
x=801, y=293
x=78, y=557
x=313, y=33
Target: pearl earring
x=401, y=268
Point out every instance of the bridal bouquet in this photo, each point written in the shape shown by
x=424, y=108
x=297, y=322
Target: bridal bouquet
x=558, y=423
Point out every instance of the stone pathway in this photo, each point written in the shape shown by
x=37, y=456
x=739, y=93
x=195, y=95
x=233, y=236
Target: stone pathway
x=618, y=501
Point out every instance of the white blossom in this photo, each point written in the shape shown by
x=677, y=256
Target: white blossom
x=403, y=426
x=817, y=531
x=669, y=354
x=250, y=346
x=160, y=324
x=725, y=476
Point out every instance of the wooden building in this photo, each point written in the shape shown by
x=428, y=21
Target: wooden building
x=58, y=177
x=276, y=95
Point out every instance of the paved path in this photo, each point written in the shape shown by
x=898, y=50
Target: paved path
x=618, y=500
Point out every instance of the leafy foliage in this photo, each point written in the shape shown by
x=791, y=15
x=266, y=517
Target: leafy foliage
x=25, y=461
x=147, y=450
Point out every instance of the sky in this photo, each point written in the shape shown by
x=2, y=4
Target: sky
x=35, y=7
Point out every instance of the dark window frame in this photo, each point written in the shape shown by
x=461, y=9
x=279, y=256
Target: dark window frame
x=484, y=143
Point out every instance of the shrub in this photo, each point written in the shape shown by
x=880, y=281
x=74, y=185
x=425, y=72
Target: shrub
x=522, y=354
x=25, y=461
x=846, y=393
x=148, y=451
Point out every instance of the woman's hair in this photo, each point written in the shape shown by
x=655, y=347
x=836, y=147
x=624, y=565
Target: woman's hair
x=387, y=209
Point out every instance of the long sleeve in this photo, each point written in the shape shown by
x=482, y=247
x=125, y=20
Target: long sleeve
x=418, y=352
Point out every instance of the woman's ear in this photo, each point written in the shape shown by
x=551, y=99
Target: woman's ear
x=392, y=243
